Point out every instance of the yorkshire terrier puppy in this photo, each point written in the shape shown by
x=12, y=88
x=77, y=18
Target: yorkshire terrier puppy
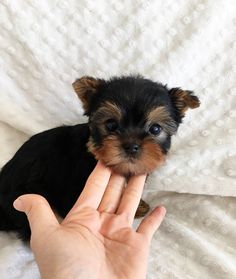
x=130, y=124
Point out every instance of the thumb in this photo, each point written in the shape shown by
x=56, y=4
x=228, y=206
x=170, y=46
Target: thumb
x=38, y=211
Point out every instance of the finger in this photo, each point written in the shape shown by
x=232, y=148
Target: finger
x=151, y=223
x=112, y=194
x=94, y=188
x=38, y=212
x=131, y=197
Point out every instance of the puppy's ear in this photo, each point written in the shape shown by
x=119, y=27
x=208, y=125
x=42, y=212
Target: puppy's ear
x=183, y=100
x=85, y=88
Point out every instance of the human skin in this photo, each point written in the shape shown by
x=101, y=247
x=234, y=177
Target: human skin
x=96, y=239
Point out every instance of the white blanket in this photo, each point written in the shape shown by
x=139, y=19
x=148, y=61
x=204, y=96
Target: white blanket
x=46, y=45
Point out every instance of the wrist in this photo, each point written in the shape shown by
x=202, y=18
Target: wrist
x=72, y=273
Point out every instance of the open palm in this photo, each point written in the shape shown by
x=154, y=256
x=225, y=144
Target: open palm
x=96, y=239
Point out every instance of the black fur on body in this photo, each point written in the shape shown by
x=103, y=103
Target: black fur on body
x=54, y=164
x=131, y=121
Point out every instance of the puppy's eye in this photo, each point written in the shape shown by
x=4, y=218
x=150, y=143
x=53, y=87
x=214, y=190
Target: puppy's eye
x=111, y=125
x=155, y=129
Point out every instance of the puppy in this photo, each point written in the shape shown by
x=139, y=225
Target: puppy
x=130, y=124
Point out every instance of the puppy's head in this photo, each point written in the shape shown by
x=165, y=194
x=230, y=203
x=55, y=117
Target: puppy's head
x=131, y=120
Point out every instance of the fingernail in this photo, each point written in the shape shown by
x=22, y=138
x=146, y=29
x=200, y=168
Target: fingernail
x=161, y=209
x=18, y=205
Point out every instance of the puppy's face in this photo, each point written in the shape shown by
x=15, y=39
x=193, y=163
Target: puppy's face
x=132, y=120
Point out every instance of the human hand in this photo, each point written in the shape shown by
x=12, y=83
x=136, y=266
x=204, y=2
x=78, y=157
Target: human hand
x=96, y=239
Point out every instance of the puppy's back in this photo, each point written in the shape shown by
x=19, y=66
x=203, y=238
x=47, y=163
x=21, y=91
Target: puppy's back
x=55, y=164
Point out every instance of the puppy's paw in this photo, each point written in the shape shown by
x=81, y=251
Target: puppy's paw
x=142, y=210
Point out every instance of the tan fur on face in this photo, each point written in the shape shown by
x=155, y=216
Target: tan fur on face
x=107, y=111
x=162, y=117
x=109, y=153
x=112, y=155
x=152, y=154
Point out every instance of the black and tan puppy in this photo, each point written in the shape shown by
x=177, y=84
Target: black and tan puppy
x=131, y=121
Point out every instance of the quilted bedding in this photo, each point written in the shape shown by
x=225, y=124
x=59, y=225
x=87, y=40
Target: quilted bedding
x=46, y=45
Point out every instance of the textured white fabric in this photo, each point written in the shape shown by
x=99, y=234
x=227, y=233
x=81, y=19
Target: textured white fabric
x=45, y=45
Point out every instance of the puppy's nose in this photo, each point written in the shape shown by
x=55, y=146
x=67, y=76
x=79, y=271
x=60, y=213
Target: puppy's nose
x=131, y=148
